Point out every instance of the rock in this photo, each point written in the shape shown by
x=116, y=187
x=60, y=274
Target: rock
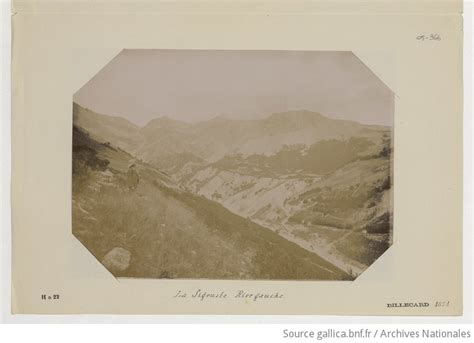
x=117, y=260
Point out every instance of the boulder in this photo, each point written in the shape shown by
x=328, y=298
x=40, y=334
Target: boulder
x=117, y=260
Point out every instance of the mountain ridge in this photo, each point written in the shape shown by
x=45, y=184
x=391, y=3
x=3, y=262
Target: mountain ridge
x=223, y=117
x=214, y=138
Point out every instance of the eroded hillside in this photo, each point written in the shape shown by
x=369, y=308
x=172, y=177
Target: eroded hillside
x=160, y=230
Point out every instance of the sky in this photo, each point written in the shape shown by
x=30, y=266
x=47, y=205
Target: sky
x=197, y=85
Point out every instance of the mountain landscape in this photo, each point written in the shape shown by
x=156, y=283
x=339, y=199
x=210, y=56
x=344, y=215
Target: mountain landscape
x=294, y=195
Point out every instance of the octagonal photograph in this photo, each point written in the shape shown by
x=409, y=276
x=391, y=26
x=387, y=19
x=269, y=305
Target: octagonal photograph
x=251, y=165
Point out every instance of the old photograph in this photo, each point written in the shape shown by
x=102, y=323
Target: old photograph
x=220, y=164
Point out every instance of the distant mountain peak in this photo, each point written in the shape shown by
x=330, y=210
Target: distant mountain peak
x=297, y=113
x=165, y=121
x=296, y=118
x=222, y=118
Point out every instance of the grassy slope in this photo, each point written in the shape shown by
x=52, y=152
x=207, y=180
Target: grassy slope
x=171, y=233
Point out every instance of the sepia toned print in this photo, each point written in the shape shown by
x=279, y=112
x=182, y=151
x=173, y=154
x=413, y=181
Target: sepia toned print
x=233, y=165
